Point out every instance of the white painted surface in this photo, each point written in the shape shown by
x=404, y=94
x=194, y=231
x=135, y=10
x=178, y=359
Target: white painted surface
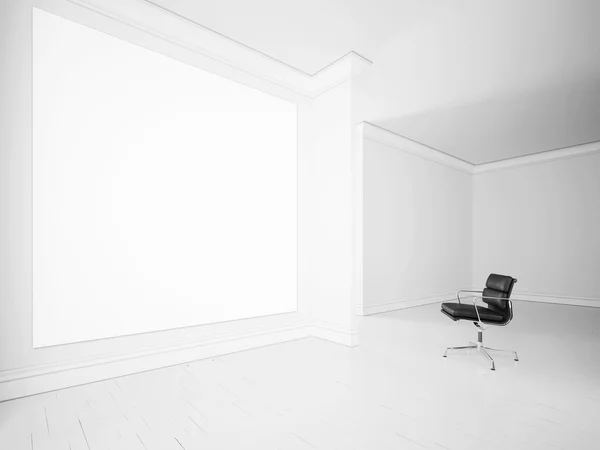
x=392, y=392
x=33, y=380
x=539, y=223
x=279, y=29
x=15, y=197
x=417, y=228
x=482, y=80
x=18, y=360
x=555, y=215
x=332, y=193
x=21, y=382
x=186, y=34
x=16, y=331
x=402, y=143
x=487, y=80
x=526, y=122
x=163, y=196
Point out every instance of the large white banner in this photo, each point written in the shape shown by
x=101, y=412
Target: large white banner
x=164, y=196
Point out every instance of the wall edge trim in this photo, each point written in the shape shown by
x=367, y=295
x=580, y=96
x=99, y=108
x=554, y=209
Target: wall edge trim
x=27, y=381
x=386, y=137
x=557, y=299
x=170, y=26
x=403, y=303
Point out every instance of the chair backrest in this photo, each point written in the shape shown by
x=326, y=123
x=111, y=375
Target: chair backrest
x=500, y=287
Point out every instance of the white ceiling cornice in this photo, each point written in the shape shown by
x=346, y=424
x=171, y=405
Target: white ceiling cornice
x=391, y=139
x=160, y=22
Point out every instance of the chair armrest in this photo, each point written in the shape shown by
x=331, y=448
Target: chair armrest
x=466, y=290
x=510, y=300
x=477, y=311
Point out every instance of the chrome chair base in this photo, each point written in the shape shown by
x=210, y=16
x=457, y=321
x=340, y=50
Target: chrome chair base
x=482, y=348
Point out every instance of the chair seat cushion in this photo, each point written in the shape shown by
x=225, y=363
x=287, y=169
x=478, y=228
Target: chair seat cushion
x=462, y=311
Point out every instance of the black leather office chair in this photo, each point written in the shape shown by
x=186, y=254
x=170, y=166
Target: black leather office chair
x=499, y=311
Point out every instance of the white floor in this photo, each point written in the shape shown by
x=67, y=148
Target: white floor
x=395, y=391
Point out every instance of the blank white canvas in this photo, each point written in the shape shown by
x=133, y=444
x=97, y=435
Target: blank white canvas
x=164, y=196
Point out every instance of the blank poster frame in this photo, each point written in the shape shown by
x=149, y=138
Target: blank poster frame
x=137, y=229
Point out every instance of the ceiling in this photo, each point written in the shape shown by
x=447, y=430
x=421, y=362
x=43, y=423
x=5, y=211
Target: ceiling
x=482, y=80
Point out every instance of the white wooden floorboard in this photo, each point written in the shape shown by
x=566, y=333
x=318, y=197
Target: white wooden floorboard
x=395, y=391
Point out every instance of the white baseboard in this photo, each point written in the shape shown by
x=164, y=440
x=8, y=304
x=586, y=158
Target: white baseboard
x=18, y=383
x=557, y=299
x=592, y=302
x=367, y=310
x=333, y=333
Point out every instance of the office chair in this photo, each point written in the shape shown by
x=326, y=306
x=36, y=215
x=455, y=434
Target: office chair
x=499, y=311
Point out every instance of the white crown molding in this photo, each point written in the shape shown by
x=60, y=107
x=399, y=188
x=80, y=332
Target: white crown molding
x=349, y=67
x=391, y=139
x=167, y=25
x=538, y=158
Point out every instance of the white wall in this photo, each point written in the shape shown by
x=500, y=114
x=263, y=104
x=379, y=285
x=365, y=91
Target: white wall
x=541, y=224
x=332, y=265
x=417, y=228
x=18, y=358
x=325, y=202
x=434, y=224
